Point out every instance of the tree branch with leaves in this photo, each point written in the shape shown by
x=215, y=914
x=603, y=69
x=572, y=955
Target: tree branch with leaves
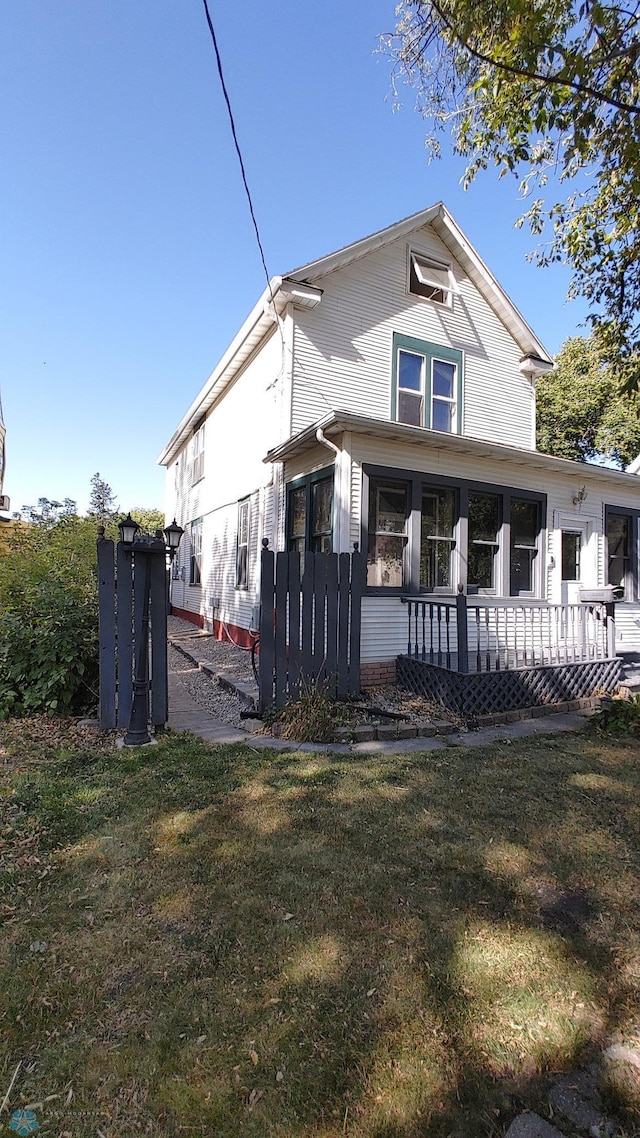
x=541, y=91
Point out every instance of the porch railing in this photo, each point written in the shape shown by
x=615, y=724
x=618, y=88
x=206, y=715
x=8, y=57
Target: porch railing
x=484, y=634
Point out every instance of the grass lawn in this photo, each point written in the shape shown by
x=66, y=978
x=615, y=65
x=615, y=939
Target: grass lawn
x=206, y=940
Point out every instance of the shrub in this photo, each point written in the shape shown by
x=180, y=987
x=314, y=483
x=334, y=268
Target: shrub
x=618, y=716
x=49, y=619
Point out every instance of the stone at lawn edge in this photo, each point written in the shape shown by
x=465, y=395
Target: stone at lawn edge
x=425, y=728
x=443, y=727
x=565, y=1099
x=532, y=1126
x=363, y=734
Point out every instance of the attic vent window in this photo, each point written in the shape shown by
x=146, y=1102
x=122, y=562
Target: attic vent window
x=429, y=278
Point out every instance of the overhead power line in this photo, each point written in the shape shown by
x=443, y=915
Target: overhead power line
x=235, y=140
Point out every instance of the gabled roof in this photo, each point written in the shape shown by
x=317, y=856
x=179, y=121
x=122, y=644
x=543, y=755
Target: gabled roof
x=303, y=287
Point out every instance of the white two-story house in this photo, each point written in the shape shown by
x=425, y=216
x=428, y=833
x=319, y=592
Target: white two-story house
x=385, y=396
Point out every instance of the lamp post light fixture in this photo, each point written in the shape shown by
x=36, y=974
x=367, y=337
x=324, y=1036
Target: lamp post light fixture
x=164, y=543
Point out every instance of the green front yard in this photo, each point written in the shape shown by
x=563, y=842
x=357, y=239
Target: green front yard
x=215, y=941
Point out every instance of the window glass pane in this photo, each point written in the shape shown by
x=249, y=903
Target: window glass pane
x=410, y=371
x=484, y=517
x=387, y=533
x=297, y=514
x=243, y=523
x=443, y=379
x=436, y=538
x=525, y=522
x=481, y=567
x=321, y=510
x=619, y=540
x=442, y=415
x=410, y=409
x=571, y=543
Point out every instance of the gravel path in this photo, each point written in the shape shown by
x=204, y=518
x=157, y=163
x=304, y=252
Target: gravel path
x=211, y=696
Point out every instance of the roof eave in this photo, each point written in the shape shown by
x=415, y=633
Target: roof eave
x=336, y=423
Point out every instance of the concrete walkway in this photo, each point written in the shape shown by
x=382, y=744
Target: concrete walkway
x=187, y=715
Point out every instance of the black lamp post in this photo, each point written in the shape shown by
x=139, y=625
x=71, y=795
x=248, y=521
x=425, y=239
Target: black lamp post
x=144, y=547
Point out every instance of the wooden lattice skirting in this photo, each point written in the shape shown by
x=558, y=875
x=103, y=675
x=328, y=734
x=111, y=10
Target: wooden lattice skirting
x=486, y=692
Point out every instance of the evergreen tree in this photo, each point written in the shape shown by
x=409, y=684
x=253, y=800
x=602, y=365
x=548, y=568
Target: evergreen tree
x=102, y=503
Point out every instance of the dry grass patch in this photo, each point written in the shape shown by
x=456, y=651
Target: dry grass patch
x=214, y=941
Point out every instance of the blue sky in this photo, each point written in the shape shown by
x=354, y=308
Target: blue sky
x=127, y=255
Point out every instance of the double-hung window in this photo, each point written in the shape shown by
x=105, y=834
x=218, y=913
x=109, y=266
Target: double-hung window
x=387, y=537
x=622, y=553
x=438, y=518
x=195, y=560
x=242, y=545
x=485, y=520
x=310, y=513
x=426, y=385
x=197, y=454
x=524, y=530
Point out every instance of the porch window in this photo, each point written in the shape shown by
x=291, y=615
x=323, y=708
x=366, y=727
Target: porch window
x=437, y=537
x=388, y=514
x=525, y=531
x=426, y=389
x=195, y=560
x=310, y=513
x=622, y=554
x=242, y=545
x=484, y=526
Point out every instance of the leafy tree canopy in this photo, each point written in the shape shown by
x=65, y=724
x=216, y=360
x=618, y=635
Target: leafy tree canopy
x=148, y=518
x=542, y=90
x=580, y=410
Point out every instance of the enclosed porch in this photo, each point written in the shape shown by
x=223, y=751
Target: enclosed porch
x=478, y=655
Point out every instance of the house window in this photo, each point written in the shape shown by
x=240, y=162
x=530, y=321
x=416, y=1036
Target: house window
x=426, y=385
x=242, y=546
x=622, y=553
x=197, y=454
x=425, y=537
x=430, y=278
x=437, y=537
x=195, y=561
x=484, y=528
x=411, y=373
x=388, y=513
x=525, y=535
x=310, y=513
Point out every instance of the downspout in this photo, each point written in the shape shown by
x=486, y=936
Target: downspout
x=338, y=507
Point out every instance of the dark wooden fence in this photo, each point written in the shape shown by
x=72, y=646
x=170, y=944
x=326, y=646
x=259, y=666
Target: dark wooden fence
x=309, y=624
x=132, y=593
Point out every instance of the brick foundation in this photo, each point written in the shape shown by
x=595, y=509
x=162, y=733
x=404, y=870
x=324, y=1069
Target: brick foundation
x=378, y=673
x=186, y=614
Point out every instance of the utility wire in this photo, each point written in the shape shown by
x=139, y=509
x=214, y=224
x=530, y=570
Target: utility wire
x=237, y=144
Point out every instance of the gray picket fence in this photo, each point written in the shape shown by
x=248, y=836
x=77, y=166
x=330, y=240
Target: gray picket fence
x=132, y=595
x=309, y=624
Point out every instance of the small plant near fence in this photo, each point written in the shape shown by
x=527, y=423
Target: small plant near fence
x=312, y=717
x=618, y=716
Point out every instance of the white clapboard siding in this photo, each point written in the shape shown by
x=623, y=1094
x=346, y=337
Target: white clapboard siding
x=343, y=348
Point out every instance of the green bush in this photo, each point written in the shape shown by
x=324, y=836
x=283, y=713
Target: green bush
x=618, y=716
x=49, y=619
